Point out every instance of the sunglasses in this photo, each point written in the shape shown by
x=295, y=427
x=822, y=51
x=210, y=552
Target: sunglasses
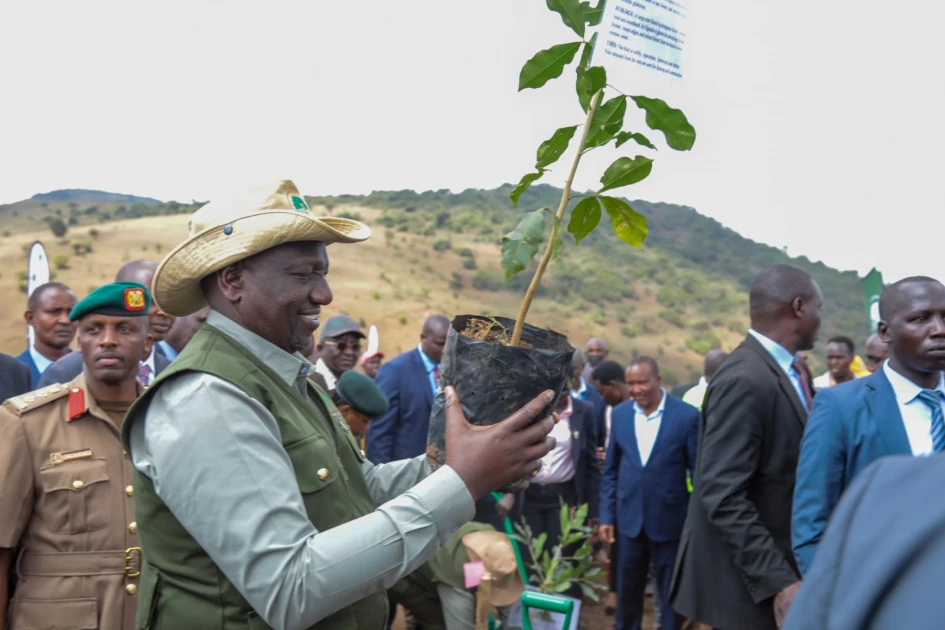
x=344, y=345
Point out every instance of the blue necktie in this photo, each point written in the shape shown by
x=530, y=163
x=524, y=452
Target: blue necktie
x=933, y=399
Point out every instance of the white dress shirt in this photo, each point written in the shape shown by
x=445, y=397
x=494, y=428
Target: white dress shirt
x=558, y=465
x=916, y=415
x=153, y=371
x=648, y=427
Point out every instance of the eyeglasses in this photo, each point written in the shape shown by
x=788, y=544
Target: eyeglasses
x=344, y=345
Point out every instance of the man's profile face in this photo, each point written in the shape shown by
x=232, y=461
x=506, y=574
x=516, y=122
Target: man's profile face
x=613, y=393
x=432, y=342
x=113, y=346
x=283, y=291
x=809, y=325
x=50, y=320
x=839, y=359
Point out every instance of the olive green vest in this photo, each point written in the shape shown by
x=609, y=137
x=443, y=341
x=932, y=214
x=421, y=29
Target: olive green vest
x=181, y=587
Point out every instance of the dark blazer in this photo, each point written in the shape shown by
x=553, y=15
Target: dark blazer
x=592, y=396
x=70, y=366
x=584, y=455
x=25, y=358
x=15, y=377
x=735, y=554
x=652, y=498
x=851, y=426
x=881, y=563
x=401, y=433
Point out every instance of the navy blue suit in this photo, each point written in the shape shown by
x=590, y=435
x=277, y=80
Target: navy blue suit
x=850, y=426
x=648, y=504
x=401, y=433
x=14, y=377
x=593, y=397
x=27, y=359
x=881, y=564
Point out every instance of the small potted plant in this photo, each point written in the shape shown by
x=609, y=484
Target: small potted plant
x=498, y=364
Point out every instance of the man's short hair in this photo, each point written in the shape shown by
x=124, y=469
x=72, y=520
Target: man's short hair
x=776, y=287
x=37, y=295
x=609, y=372
x=846, y=341
x=890, y=300
x=650, y=362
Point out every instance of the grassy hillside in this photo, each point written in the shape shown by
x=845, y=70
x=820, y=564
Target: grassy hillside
x=678, y=297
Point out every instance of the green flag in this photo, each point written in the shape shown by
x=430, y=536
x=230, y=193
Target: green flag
x=872, y=289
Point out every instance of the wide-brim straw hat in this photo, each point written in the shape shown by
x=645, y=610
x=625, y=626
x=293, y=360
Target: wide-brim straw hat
x=495, y=551
x=224, y=232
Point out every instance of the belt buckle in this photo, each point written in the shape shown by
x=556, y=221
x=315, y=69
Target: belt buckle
x=129, y=558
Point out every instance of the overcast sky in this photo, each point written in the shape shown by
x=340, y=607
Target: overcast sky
x=819, y=124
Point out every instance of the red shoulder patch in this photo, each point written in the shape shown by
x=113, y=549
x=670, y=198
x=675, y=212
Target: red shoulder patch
x=77, y=406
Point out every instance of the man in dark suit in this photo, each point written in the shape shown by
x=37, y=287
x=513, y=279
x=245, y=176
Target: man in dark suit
x=14, y=377
x=159, y=324
x=887, y=413
x=644, y=497
x=735, y=569
x=881, y=564
x=409, y=382
x=48, y=313
x=585, y=392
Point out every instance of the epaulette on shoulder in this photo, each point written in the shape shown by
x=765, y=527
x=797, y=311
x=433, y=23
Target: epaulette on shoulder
x=35, y=399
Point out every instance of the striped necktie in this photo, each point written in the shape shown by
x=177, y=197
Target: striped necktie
x=933, y=399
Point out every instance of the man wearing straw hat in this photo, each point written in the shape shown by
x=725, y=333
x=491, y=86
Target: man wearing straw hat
x=256, y=508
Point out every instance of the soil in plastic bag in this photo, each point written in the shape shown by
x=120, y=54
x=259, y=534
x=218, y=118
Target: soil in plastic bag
x=494, y=380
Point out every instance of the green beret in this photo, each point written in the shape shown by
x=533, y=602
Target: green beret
x=121, y=299
x=362, y=394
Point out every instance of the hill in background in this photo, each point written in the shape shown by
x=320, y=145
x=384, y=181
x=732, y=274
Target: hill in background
x=684, y=293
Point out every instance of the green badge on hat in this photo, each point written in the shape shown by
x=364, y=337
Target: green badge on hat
x=299, y=204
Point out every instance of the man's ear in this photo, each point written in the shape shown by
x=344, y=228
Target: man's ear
x=882, y=329
x=230, y=281
x=797, y=307
x=28, y=316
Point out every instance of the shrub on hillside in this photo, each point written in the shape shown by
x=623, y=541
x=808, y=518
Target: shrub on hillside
x=61, y=261
x=442, y=245
x=465, y=252
x=485, y=281
x=469, y=263
x=673, y=318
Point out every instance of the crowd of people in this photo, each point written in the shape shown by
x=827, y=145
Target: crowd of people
x=202, y=460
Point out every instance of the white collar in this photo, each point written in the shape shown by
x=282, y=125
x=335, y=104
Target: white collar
x=655, y=414
x=904, y=389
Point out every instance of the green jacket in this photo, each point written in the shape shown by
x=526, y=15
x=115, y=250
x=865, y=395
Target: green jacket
x=181, y=587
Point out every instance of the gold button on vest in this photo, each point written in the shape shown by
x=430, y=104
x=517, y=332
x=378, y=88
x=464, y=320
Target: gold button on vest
x=323, y=473
x=130, y=491
x=133, y=528
x=132, y=589
x=78, y=484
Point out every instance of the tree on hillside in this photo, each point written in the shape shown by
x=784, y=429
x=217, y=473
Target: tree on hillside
x=58, y=227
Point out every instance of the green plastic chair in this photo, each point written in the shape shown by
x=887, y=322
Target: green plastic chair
x=531, y=599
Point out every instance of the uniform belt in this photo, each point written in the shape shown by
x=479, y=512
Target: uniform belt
x=67, y=564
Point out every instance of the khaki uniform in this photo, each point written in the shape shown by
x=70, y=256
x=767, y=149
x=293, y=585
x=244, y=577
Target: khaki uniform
x=66, y=503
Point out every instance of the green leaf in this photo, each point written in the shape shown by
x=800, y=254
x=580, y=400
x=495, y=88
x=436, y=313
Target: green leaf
x=523, y=185
x=624, y=172
x=588, y=51
x=521, y=244
x=540, y=543
x=564, y=516
x=607, y=122
x=579, y=515
x=546, y=65
x=589, y=592
x=629, y=224
x=573, y=538
x=553, y=148
x=589, y=80
x=593, y=15
x=593, y=574
x=584, y=218
x=560, y=588
x=571, y=12
x=639, y=138
x=679, y=134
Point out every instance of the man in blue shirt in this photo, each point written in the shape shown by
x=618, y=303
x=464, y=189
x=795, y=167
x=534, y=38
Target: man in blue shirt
x=48, y=313
x=409, y=381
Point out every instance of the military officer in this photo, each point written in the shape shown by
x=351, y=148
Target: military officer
x=289, y=527
x=66, y=493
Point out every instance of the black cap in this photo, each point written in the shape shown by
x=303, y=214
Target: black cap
x=338, y=325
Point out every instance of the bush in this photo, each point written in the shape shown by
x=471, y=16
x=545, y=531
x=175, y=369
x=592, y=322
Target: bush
x=465, y=252
x=469, y=263
x=630, y=331
x=456, y=283
x=376, y=294
x=61, y=261
x=58, y=227
x=402, y=319
x=485, y=281
x=673, y=318
x=702, y=342
x=599, y=316
x=93, y=233
x=738, y=327
x=442, y=245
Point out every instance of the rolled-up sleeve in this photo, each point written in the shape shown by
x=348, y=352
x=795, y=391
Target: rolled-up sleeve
x=216, y=460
